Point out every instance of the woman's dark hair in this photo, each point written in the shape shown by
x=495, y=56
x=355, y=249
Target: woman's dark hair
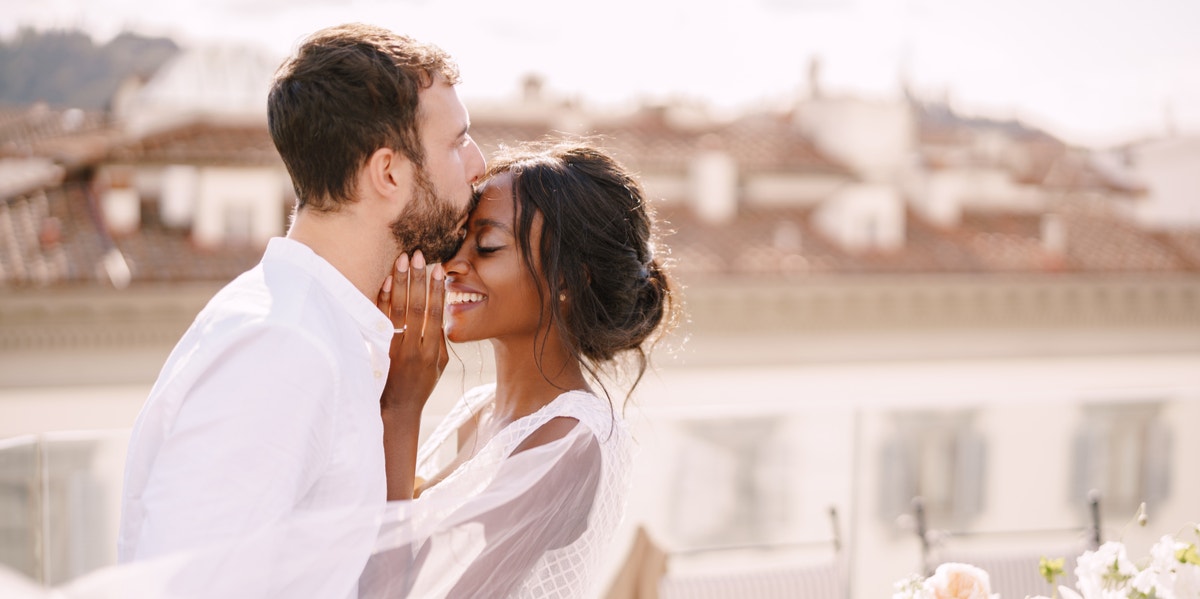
x=609, y=293
x=348, y=91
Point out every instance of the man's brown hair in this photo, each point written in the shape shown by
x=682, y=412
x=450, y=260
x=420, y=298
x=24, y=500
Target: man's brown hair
x=348, y=91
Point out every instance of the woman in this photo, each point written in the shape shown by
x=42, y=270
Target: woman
x=558, y=271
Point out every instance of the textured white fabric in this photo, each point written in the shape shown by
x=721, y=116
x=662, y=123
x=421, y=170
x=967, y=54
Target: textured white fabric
x=268, y=405
x=548, y=516
x=530, y=524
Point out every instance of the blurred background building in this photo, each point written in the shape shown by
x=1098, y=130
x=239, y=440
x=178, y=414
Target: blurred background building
x=886, y=300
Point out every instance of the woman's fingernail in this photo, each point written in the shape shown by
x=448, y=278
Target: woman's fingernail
x=387, y=284
x=402, y=263
x=418, y=260
x=438, y=273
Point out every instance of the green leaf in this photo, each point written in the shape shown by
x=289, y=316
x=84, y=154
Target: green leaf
x=1050, y=569
x=1188, y=555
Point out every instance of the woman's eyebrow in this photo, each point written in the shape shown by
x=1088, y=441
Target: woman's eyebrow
x=488, y=222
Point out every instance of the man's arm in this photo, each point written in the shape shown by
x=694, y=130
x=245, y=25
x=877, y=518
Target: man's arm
x=251, y=435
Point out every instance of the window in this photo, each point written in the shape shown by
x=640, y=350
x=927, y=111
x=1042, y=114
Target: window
x=938, y=456
x=731, y=484
x=239, y=224
x=1122, y=450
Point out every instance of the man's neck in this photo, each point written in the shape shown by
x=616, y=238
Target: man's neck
x=363, y=255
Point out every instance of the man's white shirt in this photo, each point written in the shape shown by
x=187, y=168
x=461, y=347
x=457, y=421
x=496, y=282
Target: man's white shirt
x=268, y=405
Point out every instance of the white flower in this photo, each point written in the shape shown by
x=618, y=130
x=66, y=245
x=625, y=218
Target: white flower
x=1187, y=581
x=959, y=581
x=1150, y=583
x=912, y=587
x=1172, y=572
x=1105, y=573
x=1068, y=592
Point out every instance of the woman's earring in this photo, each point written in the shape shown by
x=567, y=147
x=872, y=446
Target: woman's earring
x=562, y=297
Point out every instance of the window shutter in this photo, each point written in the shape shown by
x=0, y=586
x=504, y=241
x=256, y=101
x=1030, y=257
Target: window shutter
x=1156, y=466
x=969, y=477
x=898, y=481
x=1082, y=466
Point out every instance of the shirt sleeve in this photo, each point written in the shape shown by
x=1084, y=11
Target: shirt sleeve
x=251, y=436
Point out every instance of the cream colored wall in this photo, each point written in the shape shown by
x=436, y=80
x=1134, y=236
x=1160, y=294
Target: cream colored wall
x=876, y=138
x=1167, y=168
x=252, y=190
x=1027, y=409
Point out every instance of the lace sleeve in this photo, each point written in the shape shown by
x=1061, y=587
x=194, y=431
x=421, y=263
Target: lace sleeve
x=539, y=501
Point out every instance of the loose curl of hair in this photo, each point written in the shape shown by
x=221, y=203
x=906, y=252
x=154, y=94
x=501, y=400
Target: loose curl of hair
x=348, y=91
x=598, y=250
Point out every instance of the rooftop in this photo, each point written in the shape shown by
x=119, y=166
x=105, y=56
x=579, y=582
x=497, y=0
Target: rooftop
x=52, y=235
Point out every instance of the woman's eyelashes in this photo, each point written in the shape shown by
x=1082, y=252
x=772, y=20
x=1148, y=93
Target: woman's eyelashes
x=489, y=241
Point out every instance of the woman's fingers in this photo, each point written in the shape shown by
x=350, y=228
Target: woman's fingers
x=437, y=301
x=418, y=295
x=384, y=300
x=398, y=291
x=435, y=338
x=417, y=307
x=418, y=355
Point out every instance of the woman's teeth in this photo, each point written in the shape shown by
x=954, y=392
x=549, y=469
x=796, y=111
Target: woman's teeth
x=455, y=297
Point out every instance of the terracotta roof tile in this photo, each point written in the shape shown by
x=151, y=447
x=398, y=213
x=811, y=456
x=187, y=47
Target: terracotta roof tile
x=784, y=242
x=202, y=143
x=71, y=137
x=55, y=238
x=648, y=145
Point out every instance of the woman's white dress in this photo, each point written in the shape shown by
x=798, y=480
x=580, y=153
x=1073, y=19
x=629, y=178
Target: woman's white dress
x=547, y=513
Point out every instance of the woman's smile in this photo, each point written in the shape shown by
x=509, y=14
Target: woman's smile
x=457, y=301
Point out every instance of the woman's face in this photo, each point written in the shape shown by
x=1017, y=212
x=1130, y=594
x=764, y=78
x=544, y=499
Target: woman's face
x=490, y=293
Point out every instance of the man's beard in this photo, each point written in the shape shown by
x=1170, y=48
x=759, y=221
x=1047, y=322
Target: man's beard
x=429, y=224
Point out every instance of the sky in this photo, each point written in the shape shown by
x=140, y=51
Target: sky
x=1093, y=72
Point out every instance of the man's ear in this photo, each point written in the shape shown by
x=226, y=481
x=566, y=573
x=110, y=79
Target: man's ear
x=388, y=174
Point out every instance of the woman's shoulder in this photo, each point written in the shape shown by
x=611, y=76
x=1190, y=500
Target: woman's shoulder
x=594, y=412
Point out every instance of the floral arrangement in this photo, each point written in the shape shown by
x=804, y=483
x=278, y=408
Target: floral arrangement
x=1172, y=571
x=949, y=581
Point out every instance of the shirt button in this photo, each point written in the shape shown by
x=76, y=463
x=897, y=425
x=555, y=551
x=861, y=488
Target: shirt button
x=382, y=326
x=378, y=374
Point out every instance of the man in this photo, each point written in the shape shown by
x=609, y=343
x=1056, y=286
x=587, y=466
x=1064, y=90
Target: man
x=270, y=403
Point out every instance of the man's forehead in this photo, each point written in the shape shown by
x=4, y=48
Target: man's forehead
x=440, y=108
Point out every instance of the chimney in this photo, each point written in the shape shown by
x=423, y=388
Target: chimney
x=1054, y=234
x=713, y=176
x=531, y=88
x=814, y=78
x=120, y=203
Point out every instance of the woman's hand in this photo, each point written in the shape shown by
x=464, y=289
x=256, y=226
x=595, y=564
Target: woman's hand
x=414, y=299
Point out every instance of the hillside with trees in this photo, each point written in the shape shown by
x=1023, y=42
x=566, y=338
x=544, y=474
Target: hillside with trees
x=68, y=69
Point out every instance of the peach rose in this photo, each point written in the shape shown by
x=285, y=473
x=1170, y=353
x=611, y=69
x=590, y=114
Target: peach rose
x=959, y=581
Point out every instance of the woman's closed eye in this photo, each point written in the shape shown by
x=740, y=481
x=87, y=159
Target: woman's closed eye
x=487, y=249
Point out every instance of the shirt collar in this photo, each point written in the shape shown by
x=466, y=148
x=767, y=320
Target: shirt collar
x=375, y=326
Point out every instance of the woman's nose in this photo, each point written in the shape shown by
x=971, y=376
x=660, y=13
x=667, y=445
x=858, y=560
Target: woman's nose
x=457, y=264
